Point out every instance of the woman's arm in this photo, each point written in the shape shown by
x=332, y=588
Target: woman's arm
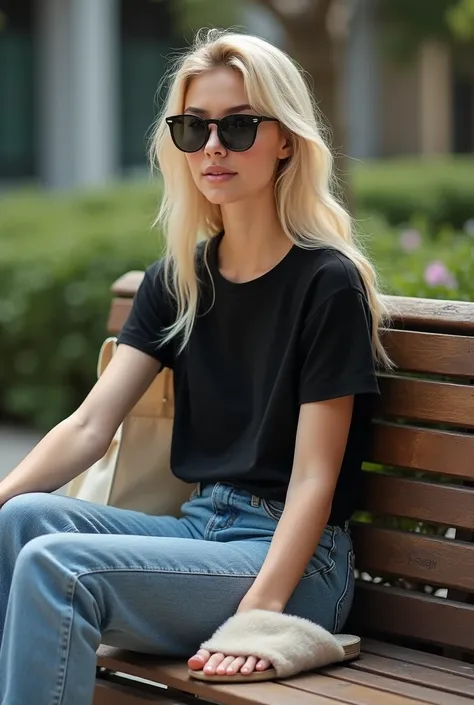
x=321, y=439
x=80, y=440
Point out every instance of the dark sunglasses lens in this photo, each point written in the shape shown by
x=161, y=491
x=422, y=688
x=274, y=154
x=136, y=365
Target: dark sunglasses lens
x=238, y=132
x=189, y=133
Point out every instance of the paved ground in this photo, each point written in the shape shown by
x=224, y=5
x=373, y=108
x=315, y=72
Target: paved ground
x=15, y=444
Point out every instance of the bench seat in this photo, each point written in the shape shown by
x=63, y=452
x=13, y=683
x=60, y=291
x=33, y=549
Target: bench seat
x=384, y=673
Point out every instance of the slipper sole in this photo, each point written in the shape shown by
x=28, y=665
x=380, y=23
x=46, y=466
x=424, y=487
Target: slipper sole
x=349, y=642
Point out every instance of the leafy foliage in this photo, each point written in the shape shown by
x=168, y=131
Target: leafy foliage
x=408, y=23
x=438, y=190
x=60, y=255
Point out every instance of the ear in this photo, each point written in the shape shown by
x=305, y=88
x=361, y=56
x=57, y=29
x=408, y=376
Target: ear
x=286, y=147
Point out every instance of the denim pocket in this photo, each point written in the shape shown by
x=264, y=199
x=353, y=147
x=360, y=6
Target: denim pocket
x=323, y=561
x=272, y=508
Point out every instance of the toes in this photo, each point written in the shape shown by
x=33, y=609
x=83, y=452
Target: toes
x=200, y=658
x=221, y=664
x=249, y=665
x=223, y=667
x=262, y=665
x=213, y=663
x=236, y=665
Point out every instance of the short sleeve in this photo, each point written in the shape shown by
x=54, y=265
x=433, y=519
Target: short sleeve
x=149, y=316
x=336, y=349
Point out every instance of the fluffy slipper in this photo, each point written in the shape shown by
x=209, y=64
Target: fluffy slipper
x=291, y=644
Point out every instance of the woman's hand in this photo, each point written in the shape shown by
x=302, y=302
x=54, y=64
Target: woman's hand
x=227, y=664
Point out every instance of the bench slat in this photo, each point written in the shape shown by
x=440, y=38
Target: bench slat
x=405, y=311
x=430, y=352
x=342, y=690
x=421, y=658
x=128, y=283
x=431, y=314
x=119, y=310
x=416, y=499
x=388, y=688
x=411, y=673
x=404, y=613
x=175, y=675
x=420, y=400
x=436, y=561
x=444, y=452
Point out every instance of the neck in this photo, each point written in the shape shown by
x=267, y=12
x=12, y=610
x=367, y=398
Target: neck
x=254, y=240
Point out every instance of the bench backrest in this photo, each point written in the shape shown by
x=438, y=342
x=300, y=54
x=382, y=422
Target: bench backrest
x=414, y=534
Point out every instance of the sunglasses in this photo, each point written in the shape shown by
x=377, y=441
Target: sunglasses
x=236, y=132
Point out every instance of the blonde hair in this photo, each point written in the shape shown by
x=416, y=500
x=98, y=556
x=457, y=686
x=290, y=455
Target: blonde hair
x=310, y=215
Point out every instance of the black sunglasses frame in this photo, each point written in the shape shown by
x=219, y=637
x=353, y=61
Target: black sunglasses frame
x=256, y=120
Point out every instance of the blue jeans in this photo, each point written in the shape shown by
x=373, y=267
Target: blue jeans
x=74, y=574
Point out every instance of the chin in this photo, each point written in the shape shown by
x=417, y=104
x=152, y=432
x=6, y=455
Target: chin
x=219, y=197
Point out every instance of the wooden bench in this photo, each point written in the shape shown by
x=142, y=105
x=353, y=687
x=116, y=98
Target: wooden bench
x=415, y=580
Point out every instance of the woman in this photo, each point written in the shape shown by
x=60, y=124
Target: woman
x=271, y=328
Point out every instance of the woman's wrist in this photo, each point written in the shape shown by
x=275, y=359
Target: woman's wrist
x=254, y=601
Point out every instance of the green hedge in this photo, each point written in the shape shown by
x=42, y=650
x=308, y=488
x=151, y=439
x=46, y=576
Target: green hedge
x=438, y=190
x=60, y=254
x=420, y=262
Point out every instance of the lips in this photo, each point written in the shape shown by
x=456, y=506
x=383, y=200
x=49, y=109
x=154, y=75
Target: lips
x=218, y=171
x=218, y=175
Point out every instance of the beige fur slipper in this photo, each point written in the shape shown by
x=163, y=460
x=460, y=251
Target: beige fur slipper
x=291, y=644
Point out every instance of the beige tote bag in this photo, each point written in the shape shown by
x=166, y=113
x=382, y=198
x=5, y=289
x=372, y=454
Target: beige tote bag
x=135, y=471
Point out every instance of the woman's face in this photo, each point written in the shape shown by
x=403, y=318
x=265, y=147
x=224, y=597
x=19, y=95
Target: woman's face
x=214, y=94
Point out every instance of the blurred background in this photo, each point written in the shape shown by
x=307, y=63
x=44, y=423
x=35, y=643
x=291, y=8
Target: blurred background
x=79, y=81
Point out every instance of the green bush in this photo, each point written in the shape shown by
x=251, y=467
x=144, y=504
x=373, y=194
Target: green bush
x=60, y=254
x=414, y=262
x=439, y=190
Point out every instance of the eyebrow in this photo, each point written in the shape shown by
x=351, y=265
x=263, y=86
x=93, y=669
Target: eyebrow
x=229, y=111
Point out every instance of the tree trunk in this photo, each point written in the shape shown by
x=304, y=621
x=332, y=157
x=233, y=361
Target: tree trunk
x=315, y=47
x=319, y=56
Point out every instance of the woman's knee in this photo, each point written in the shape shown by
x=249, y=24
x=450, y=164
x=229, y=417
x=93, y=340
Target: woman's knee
x=34, y=512
x=53, y=562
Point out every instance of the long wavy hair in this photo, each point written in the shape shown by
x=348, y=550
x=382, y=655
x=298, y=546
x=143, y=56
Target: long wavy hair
x=308, y=211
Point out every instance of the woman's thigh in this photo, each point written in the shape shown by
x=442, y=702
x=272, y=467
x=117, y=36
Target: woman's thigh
x=37, y=513
x=159, y=595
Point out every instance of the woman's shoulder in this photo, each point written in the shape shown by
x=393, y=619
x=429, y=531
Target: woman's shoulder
x=330, y=270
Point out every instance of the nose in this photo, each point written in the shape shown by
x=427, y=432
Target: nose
x=213, y=144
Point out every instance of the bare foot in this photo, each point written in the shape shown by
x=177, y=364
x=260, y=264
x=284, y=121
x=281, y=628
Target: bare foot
x=221, y=664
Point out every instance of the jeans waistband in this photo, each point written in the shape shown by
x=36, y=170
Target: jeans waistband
x=252, y=499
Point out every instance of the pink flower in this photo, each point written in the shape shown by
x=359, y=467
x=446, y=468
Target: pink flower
x=437, y=274
x=410, y=240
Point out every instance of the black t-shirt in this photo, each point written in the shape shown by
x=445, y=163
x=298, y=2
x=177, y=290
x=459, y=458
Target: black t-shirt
x=258, y=350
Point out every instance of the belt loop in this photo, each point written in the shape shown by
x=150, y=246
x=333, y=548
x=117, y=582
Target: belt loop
x=255, y=501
